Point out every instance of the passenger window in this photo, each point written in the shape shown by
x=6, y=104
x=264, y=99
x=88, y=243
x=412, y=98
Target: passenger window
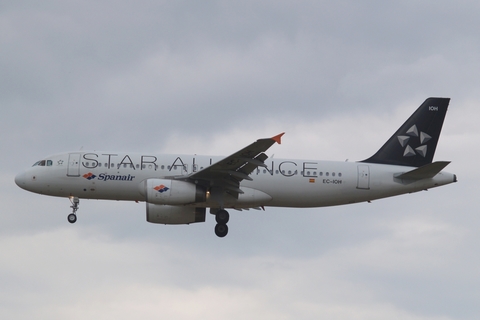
x=333, y=174
x=327, y=174
x=339, y=174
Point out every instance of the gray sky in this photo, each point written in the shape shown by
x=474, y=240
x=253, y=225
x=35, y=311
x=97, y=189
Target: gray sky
x=339, y=77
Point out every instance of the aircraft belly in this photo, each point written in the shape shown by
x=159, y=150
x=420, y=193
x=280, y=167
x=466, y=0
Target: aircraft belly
x=250, y=198
x=306, y=192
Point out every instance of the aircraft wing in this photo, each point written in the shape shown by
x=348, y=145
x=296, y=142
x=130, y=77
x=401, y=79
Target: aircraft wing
x=227, y=173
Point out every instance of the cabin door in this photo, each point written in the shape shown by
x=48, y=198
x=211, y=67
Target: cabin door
x=73, y=169
x=363, y=180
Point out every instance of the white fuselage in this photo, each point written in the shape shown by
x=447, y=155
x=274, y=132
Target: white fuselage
x=283, y=183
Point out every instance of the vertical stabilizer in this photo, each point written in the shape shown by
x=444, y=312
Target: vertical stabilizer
x=415, y=142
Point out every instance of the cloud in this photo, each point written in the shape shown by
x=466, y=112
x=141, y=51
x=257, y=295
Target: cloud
x=91, y=273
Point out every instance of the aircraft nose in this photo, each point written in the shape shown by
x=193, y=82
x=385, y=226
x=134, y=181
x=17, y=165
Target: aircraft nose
x=20, y=180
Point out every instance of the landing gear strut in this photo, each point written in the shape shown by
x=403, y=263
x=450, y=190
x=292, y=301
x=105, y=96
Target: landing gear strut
x=222, y=217
x=72, y=217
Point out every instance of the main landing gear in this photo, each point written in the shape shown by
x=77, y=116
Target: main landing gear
x=72, y=217
x=222, y=217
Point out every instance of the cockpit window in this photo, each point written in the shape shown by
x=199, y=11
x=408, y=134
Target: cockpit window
x=40, y=163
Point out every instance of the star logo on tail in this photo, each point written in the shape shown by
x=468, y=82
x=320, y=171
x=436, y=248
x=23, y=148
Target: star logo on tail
x=411, y=134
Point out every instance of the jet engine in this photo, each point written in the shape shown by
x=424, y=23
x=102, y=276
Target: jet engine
x=165, y=214
x=172, y=192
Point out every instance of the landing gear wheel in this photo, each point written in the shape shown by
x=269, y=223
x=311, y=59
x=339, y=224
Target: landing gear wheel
x=72, y=218
x=222, y=217
x=221, y=230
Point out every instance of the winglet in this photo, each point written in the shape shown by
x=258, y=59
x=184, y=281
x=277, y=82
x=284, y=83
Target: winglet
x=278, y=138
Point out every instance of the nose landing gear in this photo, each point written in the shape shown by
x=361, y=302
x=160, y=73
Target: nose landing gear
x=221, y=228
x=72, y=217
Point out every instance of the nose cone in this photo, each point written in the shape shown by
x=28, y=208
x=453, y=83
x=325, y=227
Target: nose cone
x=21, y=180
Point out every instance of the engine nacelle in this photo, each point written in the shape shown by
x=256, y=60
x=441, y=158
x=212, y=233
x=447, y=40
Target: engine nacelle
x=172, y=192
x=165, y=214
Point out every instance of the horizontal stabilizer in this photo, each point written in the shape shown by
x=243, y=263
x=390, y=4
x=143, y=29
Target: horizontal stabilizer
x=425, y=172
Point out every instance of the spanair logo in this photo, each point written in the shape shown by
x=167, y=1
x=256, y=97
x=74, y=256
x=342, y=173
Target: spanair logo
x=89, y=176
x=412, y=133
x=108, y=177
x=161, y=188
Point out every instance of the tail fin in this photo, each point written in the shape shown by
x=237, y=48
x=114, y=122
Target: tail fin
x=415, y=142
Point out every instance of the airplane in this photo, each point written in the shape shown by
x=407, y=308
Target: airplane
x=177, y=189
